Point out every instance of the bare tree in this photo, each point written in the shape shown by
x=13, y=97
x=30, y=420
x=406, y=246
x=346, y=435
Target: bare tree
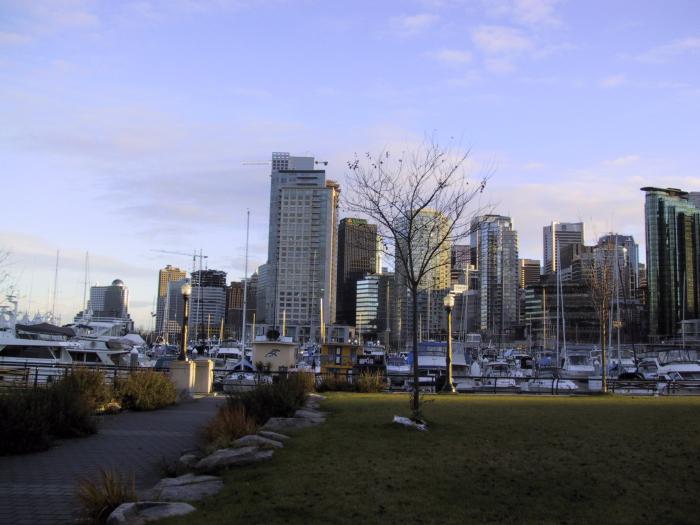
x=600, y=278
x=420, y=202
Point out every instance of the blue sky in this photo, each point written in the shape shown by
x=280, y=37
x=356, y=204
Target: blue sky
x=124, y=125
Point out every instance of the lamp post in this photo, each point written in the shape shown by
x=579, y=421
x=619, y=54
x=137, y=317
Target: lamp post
x=449, y=302
x=186, y=290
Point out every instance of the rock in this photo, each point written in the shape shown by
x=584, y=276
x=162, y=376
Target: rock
x=314, y=395
x=257, y=441
x=310, y=414
x=188, y=461
x=186, y=488
x=231, y=457
x=273, y=435
x=147, y=511
x=277, y=424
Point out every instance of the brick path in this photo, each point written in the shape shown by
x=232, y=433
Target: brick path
x=40, y=488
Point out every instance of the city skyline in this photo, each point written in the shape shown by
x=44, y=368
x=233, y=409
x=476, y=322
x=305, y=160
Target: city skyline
x=571, y=110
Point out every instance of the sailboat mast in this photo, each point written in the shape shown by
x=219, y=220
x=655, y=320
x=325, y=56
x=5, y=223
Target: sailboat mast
x=85, y=283
x=245, y=278
x=55, y=287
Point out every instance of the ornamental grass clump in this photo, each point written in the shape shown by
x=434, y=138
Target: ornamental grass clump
x=370, y=382
x=335, y=383
x=230, y=423
x=99, y=499
x=146, y=390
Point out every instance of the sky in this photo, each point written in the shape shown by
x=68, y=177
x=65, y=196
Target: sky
x=126, y=127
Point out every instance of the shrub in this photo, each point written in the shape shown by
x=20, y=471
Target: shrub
x=30, y=418
x=370, y=382
x=230, y=423
x=335, y=383
x=279, y=399
x=69, y=413
x=25, y=425
x=146, y=390
x=91, y=385
x=100, y=498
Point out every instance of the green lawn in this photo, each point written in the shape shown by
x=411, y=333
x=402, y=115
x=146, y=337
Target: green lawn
x=484, y=460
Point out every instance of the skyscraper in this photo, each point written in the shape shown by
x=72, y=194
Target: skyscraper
x=301, y=260
x=628, y=261
x=672, y=223
x=207, y=303
x=429, y=250
x=529, y=272
x=357, y=256
x=110, y=301
x=556, y=237
x=165, y=275
x=497, y=264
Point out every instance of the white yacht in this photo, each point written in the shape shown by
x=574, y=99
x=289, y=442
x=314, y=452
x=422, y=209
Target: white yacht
x=577, y=365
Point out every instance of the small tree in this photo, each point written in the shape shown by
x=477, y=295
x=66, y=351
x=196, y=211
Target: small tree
x=600, y=277
x=420, y=202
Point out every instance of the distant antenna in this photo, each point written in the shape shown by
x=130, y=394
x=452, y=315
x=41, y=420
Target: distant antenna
x=85, y=282
x=55, y=287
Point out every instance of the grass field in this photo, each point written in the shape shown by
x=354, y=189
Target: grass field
x=484, y=460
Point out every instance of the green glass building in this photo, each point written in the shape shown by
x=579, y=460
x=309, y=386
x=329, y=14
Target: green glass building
x=672, y=222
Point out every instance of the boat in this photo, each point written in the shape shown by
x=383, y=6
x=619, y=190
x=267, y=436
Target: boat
x=397, y=370
x=577, y=364
x=551, y=385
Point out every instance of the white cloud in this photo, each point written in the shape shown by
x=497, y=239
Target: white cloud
x=612, y=81
x=500, y=65
x=663, y=53
x=495, y=40
x=622, y=161
x=10, y=38
x=534, y=13
x=413, y=24
x=452, y=56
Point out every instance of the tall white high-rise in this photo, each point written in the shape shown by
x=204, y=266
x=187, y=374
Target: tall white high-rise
x=300, y=273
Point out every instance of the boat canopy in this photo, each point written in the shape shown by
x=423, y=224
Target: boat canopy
x=46, y=329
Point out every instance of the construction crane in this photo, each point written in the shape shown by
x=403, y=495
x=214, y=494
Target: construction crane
x=258, y=163
x=194, y=256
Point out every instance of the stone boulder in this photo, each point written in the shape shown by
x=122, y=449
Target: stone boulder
x=310, y=414
x=257, y=441
x=232, y=457
x=273, y=435
x=141, y=512
x=187, y=462
x=186, y=488
x=281, y=424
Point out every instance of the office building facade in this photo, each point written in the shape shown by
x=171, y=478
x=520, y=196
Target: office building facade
x=496, y=244
x=165, y=276
x=555, y=238
x=300, y=273
x=357, y=257
x=672, y=224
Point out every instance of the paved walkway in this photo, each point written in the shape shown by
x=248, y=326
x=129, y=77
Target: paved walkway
x=40, y=488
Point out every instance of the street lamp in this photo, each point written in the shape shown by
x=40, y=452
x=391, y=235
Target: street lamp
x=186, y=290
x=449, y=302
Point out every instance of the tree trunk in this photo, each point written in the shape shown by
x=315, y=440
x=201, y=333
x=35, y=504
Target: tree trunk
x=604, y=363
x=415, y=400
